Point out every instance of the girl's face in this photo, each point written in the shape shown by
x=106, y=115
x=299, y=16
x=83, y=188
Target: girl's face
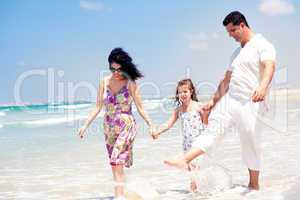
x=184, y=94
x=116, y=71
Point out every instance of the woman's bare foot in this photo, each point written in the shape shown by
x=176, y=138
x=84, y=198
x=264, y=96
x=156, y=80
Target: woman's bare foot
x=193, y=186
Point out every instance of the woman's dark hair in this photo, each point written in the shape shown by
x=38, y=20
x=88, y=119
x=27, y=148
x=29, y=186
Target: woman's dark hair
x=236, y=18
x=190, y=84
x=121, y=57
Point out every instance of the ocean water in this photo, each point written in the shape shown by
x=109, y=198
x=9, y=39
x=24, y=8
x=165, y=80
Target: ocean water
x=41, y=157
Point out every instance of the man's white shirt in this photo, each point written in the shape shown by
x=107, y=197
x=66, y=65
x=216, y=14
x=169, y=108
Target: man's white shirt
x=245, y=65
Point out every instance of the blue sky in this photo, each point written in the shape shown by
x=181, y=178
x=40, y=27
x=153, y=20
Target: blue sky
x=167, y=39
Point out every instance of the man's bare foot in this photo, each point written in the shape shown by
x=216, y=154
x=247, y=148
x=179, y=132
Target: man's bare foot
x=193, y=186
x=132, y=196
x=253, y=186
x=178, y=163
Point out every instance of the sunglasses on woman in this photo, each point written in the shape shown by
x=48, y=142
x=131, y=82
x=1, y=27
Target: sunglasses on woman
x=114, y=69
x=119, y=70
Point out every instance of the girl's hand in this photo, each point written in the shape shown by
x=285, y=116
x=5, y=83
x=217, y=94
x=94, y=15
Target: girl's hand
x=82, y=132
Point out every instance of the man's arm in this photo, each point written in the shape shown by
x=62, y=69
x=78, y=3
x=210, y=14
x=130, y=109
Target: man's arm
x=267, y=72
x=221, y=91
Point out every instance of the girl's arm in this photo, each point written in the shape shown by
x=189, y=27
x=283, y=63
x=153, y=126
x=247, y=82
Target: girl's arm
x=166, y=126
x=93, y=114
x=135, y=93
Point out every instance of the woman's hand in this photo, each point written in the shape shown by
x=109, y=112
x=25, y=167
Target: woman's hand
x=82, y=132
x=152, y=130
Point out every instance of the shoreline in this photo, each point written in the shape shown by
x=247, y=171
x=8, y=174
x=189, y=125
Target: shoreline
x=293, y=93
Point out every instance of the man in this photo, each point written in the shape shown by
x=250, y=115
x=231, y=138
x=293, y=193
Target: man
x=245, y=86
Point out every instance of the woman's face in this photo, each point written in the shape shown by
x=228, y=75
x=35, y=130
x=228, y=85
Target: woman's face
x=184, y=94
x=116, y=71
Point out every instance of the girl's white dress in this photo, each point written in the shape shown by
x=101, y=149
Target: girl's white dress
x=191, y=126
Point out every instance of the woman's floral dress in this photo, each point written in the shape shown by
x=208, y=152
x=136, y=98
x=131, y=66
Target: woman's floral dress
x=119, y=126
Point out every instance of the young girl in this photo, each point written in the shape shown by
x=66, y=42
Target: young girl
x=189, y=111
x=117, y=92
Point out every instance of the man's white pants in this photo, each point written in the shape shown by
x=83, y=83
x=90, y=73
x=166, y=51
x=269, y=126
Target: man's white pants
x=242, y=115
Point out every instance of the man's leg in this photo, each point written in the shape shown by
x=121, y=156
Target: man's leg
x=253, y=179
x=250, y=131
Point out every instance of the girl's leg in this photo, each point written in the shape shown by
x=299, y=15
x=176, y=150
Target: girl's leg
x=119, y=179
x=193, y=185
x=183, y=161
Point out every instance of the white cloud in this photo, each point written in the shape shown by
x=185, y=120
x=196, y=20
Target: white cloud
x=91, y=5
x=276, y=7
x=200, y=41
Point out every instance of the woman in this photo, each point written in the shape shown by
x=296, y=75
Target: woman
x=116, y=93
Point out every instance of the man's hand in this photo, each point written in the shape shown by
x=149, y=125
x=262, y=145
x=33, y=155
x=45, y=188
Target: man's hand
x=205, y=109
x=259, y=94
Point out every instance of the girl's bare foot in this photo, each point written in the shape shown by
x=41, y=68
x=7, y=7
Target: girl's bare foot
x=178, y=163
x=193, y=186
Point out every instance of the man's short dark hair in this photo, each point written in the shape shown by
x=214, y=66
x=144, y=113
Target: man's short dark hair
x=236, y=18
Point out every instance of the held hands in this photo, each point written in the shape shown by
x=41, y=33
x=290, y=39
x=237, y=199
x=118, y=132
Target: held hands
x=206, y=109
x=259, y=94
x=209, y=106
x=152, y=130
x=155, y=135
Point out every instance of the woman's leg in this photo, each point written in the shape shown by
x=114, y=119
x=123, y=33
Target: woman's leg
x=119, y=179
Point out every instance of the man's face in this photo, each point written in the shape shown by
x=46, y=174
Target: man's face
x=236, y=31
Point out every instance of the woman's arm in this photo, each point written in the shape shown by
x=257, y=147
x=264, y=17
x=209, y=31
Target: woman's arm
x=93, y=114
x=135, y=93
